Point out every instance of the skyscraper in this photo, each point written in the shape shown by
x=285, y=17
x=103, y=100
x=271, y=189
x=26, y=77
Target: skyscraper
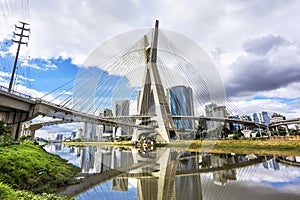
x=213, y=110
x=181, y=104
x=255, y=117
x=122, y=109
x=107, y=130
x=265, y=117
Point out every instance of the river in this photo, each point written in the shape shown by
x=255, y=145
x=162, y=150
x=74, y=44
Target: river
x=110, y=172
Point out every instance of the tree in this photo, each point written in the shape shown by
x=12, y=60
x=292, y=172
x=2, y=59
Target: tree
x=200, y=132
x=225, y=132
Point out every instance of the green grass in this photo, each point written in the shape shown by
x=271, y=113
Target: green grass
x=263, y=147
x=29, y=167
x=7, y=193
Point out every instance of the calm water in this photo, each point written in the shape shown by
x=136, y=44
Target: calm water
x=121, y=173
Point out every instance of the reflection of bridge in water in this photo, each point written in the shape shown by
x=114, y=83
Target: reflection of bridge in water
x=163, y=173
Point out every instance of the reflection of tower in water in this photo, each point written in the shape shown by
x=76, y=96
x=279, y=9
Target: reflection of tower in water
x=188, y=187
x=169, y=174
x=87, y=159
x=162, y=183
x=221, y=177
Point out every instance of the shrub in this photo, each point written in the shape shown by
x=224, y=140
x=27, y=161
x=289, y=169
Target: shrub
x=5, y=135
x=7, y=193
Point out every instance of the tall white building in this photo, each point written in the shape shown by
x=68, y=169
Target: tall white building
x=213, y=110
x=121, y=108
x=106, y=130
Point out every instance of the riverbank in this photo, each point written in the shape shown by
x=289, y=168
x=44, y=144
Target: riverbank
x=263, y=147
x=30, y=168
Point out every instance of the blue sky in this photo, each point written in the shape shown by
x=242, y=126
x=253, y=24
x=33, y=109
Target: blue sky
x=257, y=59
x=39, y=74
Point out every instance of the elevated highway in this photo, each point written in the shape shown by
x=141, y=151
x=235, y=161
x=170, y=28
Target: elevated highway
x=16, y=108
x=285, y=122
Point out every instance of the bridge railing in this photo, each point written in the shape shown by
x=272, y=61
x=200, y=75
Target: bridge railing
x=19, y=94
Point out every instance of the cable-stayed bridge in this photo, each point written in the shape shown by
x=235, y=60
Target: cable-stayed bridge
x=166, y=83
x=16, y=108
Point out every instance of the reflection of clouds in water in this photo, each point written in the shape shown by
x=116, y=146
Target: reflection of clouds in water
x=286, y=179
x=132, y=183
x=64, y=152
x=284, y=174
x=292, y=188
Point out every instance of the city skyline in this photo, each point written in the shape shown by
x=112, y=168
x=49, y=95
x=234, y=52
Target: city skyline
x=257, y=61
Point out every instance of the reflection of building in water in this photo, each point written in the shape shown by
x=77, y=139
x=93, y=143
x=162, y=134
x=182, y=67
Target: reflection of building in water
x=271, y=164
x=87, y=159
x=100, y=159
x=156, y=172
x=188, y=187
x=160, y=186
x=162, y=183
x=219, y=160
x=119, y=184
x=221, y=178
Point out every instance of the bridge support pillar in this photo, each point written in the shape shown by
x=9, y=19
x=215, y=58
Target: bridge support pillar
x=16, y=130
x=14, y=120
x=287, y=130
x=32, y=134
x=297, y=128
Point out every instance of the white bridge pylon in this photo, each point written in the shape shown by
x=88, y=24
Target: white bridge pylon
x=153, y=91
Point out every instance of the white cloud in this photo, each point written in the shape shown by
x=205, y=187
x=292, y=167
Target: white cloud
x=291, y=110
x=284, y=174
x=47, y=66
x=70, y=29
x=4, y=74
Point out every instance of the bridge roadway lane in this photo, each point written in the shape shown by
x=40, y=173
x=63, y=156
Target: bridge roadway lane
x=16, y=108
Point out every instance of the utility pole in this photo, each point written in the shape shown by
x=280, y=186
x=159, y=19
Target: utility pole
x=20, y=35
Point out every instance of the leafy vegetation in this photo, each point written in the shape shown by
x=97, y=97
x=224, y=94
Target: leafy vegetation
x=5, y=135
x=7, y=193
x=201, y=133
x=29, y=167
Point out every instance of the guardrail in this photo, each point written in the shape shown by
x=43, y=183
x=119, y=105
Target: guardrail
x=28, y=97
x=19, y=94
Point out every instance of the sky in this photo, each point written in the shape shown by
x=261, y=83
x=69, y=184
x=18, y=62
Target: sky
x=254, y=44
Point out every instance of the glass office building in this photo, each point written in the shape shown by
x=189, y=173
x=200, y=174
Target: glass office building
x=181, y=104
